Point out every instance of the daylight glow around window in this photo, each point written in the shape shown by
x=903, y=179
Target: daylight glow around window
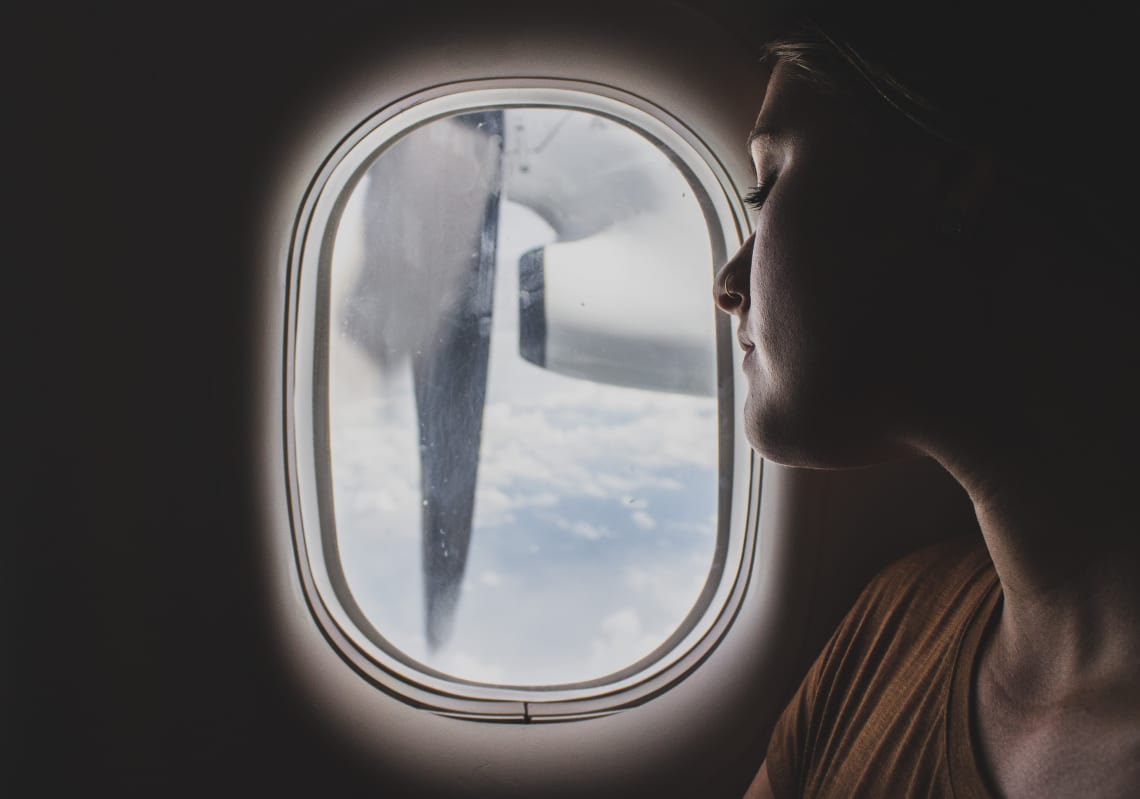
x=516, y=397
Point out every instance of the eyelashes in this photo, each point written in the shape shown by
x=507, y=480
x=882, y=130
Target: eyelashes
x=754, y=199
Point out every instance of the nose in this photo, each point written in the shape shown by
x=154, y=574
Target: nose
x=731, y=285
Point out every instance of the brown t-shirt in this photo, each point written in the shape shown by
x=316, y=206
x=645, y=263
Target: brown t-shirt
x=885, y=709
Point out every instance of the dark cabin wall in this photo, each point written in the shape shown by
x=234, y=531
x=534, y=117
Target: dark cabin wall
x=137, y=657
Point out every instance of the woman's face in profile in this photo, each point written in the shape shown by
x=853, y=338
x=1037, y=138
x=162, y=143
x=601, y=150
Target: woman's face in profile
x=839, y=303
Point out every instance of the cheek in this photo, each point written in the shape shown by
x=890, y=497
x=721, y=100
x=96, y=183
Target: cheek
x=833, y=282
x=802, y=273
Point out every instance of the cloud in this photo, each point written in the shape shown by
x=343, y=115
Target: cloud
x=643, y=520
x=581, y=529
x=622, y=641
x=490, y=578
x=588, y=531
x=622, y=451
x=669, y=586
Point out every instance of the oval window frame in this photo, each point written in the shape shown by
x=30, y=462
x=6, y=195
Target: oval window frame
x=313, y=524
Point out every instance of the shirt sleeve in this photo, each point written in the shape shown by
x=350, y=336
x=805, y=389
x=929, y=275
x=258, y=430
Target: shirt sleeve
x=791, y=737
x=796, y=736
x=823, y=707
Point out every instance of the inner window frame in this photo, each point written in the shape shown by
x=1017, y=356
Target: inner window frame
x=327, y=594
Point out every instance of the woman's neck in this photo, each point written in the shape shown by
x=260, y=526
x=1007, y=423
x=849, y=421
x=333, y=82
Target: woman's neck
x=1058, y=518
x=1055, y=695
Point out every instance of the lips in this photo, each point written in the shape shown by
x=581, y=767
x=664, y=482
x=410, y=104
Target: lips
x=745, y=344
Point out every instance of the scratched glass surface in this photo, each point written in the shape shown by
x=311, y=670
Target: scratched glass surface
x=522, y=396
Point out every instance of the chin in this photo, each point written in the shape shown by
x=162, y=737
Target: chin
x=801, y=435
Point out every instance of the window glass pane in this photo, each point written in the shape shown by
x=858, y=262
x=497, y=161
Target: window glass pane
x=522, y=395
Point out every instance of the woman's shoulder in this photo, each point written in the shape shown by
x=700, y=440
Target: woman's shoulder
x=899, y=637
x=926, y=593
x=955, y=560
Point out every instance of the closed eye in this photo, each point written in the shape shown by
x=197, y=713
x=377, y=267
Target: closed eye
x=754, y=199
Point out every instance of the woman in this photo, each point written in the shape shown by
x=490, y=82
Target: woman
x=938, y=268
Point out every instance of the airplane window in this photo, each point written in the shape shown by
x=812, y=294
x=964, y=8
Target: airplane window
x=517, y=425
